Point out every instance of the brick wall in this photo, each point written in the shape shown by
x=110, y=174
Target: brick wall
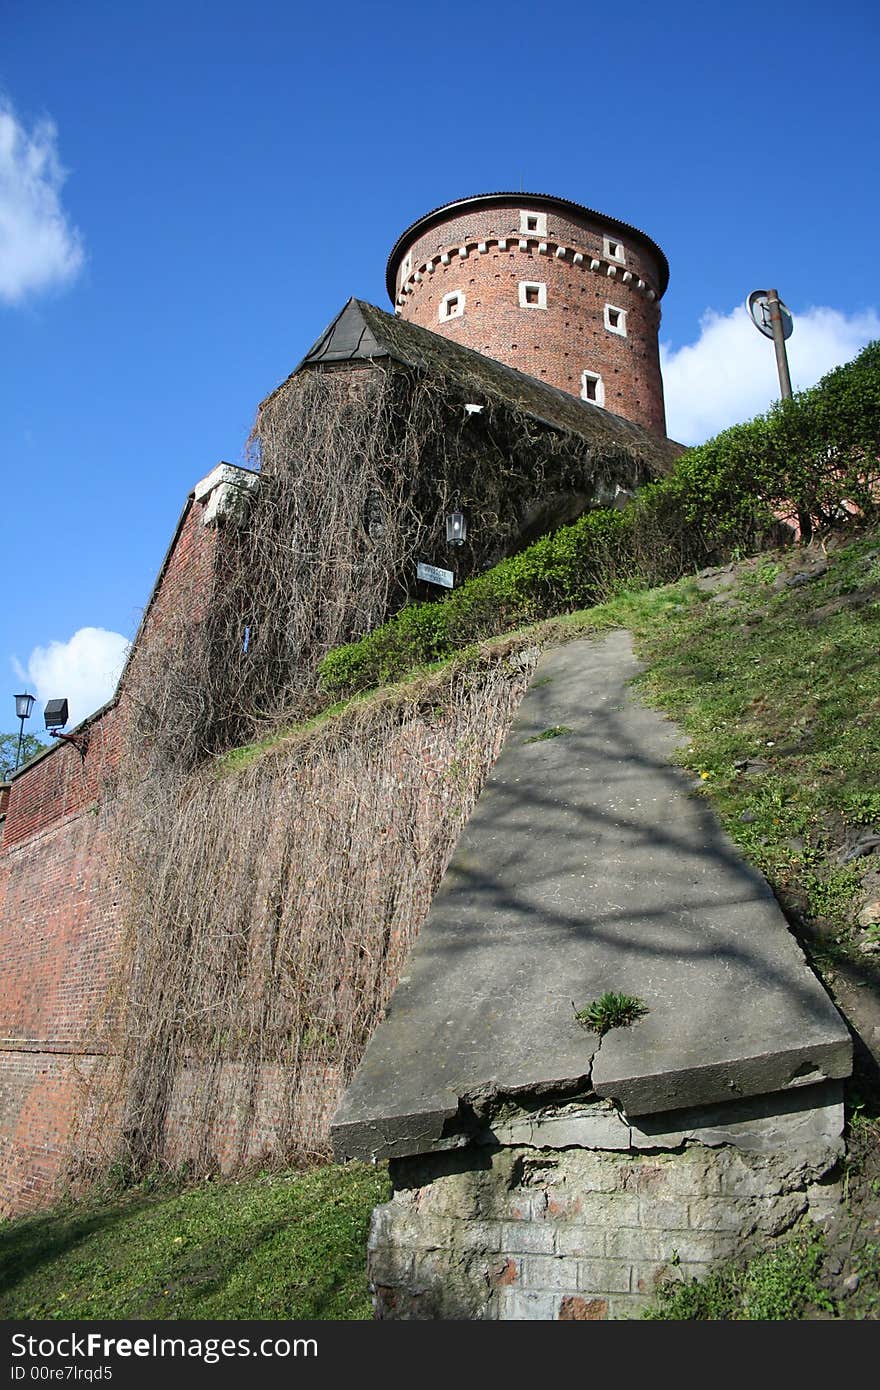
x=59, y=914
x=559, y=342
x=578, y=1235
x=58, y=935
x=229, y=1114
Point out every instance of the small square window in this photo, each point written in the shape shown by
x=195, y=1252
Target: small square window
x=532, y=294
x=533, y=223
x=592, y=388
x=451, y=305
x=405, y=268
x=613, y=250
x=615, y=320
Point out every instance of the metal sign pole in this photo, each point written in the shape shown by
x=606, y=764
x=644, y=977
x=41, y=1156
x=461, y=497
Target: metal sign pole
x=779, y=344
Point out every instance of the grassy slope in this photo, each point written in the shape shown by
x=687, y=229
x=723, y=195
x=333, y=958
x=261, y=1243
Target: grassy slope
x=777, y=686
x=776, y=682
x=286, y=1246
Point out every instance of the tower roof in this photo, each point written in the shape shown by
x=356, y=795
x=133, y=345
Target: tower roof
x=533, y=200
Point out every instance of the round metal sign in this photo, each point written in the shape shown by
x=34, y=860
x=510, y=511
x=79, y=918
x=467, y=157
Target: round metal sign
x=759, y=313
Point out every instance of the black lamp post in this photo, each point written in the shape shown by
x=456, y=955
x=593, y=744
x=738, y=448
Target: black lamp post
x=23, y=706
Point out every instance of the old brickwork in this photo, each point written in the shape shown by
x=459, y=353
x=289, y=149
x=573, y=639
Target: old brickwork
x=564, y=333
x=59, y=913
x=576, y=1234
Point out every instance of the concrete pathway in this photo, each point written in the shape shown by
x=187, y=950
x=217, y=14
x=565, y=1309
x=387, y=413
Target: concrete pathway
x=590, y=865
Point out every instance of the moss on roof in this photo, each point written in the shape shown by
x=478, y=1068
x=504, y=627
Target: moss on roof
x=363, y=332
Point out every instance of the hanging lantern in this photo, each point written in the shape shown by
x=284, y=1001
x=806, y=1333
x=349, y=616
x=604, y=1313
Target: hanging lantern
x=456, y=528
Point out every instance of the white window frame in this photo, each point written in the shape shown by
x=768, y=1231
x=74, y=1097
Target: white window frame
x=443, y=313
x=539, y=219
x=619, y=255
x=539, y=285
x=406, y=268
x=599, y=398
x=620, y=327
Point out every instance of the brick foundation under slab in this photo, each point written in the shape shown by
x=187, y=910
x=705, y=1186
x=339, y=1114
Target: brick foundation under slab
x=523, y=1232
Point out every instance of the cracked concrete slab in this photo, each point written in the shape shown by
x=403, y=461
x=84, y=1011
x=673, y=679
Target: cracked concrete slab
x=589, y=865
x=808, y=1118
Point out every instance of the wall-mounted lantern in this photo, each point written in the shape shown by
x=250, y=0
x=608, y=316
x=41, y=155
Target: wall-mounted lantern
x=456, y=528
x=56, y=716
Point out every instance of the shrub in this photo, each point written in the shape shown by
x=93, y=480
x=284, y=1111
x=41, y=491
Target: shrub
x=812, y=459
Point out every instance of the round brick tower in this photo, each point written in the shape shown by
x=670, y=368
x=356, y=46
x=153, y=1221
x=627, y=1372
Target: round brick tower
x=563, y=293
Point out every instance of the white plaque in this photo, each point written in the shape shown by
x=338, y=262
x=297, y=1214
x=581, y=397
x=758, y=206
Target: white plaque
x=432, y=575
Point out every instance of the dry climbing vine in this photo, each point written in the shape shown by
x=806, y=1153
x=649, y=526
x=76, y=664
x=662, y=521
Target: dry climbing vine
x=267, y=907
x=270, y=908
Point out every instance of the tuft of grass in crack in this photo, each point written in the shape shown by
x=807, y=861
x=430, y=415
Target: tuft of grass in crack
x=610, y=1010
x=555, y=731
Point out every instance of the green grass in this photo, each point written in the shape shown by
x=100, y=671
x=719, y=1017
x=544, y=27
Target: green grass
x=555, y=731
x=779, y=694
x=780, y=1285
x=610, y=1011
x=289, y=1246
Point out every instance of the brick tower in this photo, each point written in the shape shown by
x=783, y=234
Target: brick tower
x=554, y=289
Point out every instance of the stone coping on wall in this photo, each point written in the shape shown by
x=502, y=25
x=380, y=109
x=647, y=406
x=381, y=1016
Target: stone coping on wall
x=590, y=865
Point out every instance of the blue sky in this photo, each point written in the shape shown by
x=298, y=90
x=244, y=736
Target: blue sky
x=190, y=192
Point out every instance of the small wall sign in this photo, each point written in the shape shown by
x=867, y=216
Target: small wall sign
x=432, y=575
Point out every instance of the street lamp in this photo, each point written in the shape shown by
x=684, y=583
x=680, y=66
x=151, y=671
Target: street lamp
x=23, y=706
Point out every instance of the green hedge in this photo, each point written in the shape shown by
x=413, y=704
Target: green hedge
x=559, y=572
x=814, y=458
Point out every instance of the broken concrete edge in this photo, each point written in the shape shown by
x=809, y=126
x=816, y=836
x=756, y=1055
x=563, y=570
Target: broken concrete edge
x=808, y=1116
x=758, y=1075
x=395, y=1136
x=484, y=1113
x=452, y=1122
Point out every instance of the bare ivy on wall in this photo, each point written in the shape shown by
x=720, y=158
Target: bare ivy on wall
x=270, y=908
x=267, y=909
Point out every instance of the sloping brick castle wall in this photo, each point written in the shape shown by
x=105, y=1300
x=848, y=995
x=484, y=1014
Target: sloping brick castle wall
x=59, y=899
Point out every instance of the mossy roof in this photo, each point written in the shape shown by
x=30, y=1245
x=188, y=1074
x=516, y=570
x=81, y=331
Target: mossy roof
x=361, y=332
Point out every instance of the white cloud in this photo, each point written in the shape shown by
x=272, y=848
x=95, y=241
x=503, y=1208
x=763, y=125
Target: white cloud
x=729, y=373
x=83, y=670
x=39, y=248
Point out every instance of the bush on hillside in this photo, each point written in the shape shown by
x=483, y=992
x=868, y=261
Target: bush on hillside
x=811, y=461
